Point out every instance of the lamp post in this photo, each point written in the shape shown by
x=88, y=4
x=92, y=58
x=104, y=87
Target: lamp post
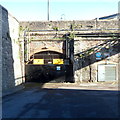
x=63, y=17
x=48, y=9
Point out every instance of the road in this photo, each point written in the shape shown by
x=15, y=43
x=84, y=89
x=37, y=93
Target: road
x=35, y=102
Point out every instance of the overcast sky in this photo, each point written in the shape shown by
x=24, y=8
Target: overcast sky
x=32, y=10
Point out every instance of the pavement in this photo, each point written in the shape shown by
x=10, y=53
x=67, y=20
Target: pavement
x=63, y=100
x=84, y=85
x=13, y=90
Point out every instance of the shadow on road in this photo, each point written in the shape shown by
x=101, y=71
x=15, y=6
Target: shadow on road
x=62, y=103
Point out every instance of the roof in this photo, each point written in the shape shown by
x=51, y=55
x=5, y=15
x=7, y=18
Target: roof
x=109, y=16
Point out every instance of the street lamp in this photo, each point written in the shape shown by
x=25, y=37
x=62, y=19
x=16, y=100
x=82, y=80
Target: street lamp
x=63, y=17
x=48, y=9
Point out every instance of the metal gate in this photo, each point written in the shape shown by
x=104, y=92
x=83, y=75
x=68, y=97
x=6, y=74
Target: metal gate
x=107, y=72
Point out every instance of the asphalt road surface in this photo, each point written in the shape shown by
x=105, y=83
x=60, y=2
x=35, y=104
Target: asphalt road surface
x=61, y=103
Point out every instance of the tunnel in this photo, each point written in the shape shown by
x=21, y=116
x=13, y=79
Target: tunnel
x=49, y=66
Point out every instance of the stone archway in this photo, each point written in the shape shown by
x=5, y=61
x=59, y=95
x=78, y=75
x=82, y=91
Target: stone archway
x=49, y=67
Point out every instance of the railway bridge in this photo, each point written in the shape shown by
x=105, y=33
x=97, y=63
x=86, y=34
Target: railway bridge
x=70, y=55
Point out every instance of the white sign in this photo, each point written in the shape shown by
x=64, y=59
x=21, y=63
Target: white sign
x=58, y=68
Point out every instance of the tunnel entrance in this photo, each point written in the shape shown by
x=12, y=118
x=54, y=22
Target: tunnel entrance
x=49, y=66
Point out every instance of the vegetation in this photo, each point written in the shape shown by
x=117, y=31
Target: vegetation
x=55, y=28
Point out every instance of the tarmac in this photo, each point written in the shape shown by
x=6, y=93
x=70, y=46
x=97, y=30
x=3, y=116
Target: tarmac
x=115, y=86
x=63, y=100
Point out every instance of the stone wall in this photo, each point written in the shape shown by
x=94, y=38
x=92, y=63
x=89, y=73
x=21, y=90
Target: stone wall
x=0, y=62
x=7, y=53
x=41, y=41
x=11, y=62
x=85, y=63
x=88, y=24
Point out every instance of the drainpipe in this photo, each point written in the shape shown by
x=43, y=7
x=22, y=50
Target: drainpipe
x=26, y=52
x=24, y=55
x=95, y=23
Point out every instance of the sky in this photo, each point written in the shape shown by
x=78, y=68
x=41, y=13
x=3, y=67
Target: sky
x=36, y=10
